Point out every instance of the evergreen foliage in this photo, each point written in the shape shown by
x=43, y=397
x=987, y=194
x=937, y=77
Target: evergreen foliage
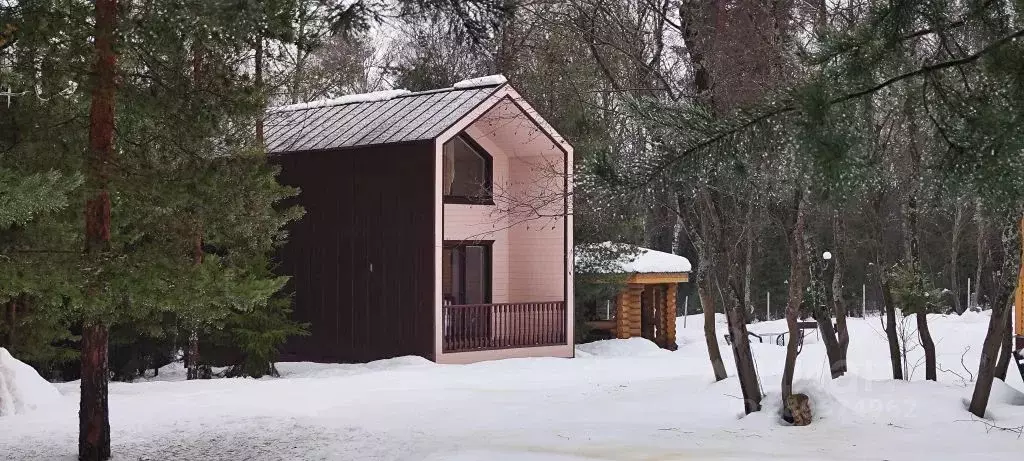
x=194, y=200
x=916, y=294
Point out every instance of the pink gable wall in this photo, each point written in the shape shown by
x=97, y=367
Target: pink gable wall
x=528, y=262
x=529, y=258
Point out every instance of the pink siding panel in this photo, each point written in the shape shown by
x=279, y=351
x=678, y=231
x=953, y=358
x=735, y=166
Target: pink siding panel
x=537, y=264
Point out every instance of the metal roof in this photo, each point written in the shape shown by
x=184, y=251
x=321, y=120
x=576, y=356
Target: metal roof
x=370, y=121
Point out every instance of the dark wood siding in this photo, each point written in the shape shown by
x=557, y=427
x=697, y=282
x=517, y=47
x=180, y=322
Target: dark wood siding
x=362, y=258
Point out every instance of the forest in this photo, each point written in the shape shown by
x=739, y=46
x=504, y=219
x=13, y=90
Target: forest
x=815, y=159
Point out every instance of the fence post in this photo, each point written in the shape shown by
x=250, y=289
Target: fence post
x=686, y=309
x=969, y=297
x=863, y=300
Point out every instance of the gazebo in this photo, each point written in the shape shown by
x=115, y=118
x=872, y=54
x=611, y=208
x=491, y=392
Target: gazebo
x=646, y=305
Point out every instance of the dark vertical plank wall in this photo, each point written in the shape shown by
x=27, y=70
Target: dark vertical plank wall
x=362, y=258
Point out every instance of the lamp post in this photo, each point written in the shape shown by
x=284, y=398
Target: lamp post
x=820, y=291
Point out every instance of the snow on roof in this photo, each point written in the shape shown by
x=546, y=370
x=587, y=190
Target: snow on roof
x=631, y=259
x=381, y=117
x=347, y=99
x=487, y=80
x=385, y=95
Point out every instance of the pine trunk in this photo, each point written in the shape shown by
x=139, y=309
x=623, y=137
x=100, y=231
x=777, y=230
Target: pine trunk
x=792, y=350
x=928, y=345
x=94, y=423
x=1006, y=349
x=838, y=302
x=710, y=336
x=192, y=356
x=832, y=349
x=912, y=237
x=982, y=242
x=748, y=260
x=746, y=370
x=735, y=312
x=989, y=357
x=93, y=416
x=193, y=361
x=914, y=259
x=954, y=256
x=797, y=272
x=1003, y=262
x=890, y=330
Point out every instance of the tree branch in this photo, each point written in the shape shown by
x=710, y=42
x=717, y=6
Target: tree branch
x=923, y=70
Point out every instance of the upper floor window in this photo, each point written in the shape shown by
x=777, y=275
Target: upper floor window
x=467, y=172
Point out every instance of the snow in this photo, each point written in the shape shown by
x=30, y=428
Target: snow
x=22, y=390
x=488, y=80
x=633, y=259
x=618, y=400
x=385, y=95
x=619, y=348
x=347, y=99
x=655, y=261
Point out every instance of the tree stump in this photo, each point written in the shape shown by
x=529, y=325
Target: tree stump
x=798, y=408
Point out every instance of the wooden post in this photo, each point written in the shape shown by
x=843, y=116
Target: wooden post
x=670, y=317
x=648, y=315
x=636, y=292
x=622, y=314
x=658, y=317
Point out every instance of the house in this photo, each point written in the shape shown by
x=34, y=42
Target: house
x=645, y=305
x=437, y=224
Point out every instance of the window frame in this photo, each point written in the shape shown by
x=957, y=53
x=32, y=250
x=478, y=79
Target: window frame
x=488, y=175
x=488, y=275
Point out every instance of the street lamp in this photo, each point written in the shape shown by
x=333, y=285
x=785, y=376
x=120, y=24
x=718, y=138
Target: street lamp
x=826, y=255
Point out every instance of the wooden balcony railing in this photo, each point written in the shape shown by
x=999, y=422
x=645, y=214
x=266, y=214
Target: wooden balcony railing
x=503, y=326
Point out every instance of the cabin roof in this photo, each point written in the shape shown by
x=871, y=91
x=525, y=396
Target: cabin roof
x=382, y=117
x=623, y=258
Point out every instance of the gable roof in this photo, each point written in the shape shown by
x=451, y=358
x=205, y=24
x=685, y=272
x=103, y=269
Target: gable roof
x=374, y=118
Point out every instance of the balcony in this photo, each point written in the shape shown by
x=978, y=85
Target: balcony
x=474, y=327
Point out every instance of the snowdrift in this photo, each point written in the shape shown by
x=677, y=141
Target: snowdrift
x=826, y=408
x=631, y=347
x=21, y=388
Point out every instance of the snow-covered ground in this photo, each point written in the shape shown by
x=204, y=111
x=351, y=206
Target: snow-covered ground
x=618, y=400
x=22, y=390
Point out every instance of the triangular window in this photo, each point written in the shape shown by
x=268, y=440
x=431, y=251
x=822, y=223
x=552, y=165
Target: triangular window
x=467, y=172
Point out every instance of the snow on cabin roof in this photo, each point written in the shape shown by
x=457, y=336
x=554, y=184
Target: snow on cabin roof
x=631, y=259
x=381, y=117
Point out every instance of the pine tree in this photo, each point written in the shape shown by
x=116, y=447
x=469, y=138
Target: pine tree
x=819, y=132
x=184, y=157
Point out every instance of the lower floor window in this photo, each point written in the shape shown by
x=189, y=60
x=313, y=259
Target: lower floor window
x=466, y=273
